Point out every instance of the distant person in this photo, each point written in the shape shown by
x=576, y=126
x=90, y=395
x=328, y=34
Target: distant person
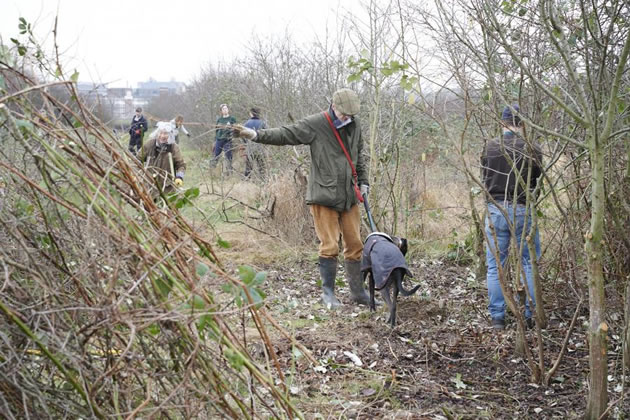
x=505, y=166
x=223, y=139
x=333, y=186
x=162, y=157
x=178, y=125
x=137, y=129
x=254, y=152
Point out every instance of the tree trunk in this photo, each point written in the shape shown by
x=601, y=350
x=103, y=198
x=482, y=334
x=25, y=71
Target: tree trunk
x=626, y=326
x=598, y=357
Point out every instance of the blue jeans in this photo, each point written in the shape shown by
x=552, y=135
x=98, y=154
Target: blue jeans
x=502, y=229
x=223, y=146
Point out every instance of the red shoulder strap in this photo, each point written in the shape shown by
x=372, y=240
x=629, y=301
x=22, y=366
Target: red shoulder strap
x=354, y=171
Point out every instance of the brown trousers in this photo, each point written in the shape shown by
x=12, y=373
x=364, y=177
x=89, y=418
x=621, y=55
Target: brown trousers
x=329, y=224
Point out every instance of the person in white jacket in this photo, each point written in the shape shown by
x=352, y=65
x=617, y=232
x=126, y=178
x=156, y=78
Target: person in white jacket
x=178, y=124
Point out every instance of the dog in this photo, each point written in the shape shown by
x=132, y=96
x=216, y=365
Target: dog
x=383, y=260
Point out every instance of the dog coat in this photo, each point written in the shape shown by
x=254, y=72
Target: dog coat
x=382, y=256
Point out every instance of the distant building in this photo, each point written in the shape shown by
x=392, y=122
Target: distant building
x=120, y=103
x=91, y=89
x=152, y=89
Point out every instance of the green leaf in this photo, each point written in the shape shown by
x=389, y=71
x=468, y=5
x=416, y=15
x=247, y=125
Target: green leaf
x=260, y=277
x=223, y=244
x=297, y=353
x=387, y=71
x=522, y=11
x=457, y=380
x=24, y=124
x=354, y=77
x=198, y=302
x=164, y=287
x=234, y=358
x=202, y=269
x=75, y=76
x=192, y=192
x=247, y=274
x=204, y=321
x=153, y=329
x=257, y=296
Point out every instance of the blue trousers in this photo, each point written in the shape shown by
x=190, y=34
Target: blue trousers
x=223, y=146
x=516, y=216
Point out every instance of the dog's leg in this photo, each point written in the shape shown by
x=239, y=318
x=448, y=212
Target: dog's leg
x=387, y=299
x=395, y=278
x=371, y=283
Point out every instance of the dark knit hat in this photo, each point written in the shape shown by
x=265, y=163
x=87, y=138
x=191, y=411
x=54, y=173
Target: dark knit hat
x=138, y=109
x=346, y=101
x=510, y=115
x=255, y=111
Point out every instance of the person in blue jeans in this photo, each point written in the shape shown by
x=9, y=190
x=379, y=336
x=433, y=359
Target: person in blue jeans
x=510, y=166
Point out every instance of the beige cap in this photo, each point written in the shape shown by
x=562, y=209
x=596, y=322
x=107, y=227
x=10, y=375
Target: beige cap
x=346, y=101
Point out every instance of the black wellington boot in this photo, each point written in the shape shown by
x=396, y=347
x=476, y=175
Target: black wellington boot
x=328, y=273
x=358, y=293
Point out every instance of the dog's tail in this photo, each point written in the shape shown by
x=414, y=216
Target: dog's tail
x=402, y=289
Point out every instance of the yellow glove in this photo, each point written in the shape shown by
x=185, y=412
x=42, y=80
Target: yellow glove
x=179, y=182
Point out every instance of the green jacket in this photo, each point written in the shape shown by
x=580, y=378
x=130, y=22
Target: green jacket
x=157, y=162
x=225, y=133
x=330, y=181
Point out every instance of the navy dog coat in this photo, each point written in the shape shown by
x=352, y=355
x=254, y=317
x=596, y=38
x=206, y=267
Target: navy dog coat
x=381, y=256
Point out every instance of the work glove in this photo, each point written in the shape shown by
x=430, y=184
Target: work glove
x=243, y=132
x=365, y=189
x=179, y=182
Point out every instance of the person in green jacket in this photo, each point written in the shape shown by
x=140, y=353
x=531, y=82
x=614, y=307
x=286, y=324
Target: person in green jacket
x=331, y=187
x=223, y=140
x=163, y=159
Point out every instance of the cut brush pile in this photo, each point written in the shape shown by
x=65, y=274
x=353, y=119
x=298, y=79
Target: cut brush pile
x=104, y=295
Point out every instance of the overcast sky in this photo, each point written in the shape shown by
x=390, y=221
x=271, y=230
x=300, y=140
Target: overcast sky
x=123, y=42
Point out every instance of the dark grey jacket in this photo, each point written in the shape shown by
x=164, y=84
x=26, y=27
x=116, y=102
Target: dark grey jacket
x=382, y=256
x=330, y=180
x=505, y=165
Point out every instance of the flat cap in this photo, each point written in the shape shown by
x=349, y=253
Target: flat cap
x=346, y=101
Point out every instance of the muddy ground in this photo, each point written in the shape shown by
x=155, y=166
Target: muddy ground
x=443, y=360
